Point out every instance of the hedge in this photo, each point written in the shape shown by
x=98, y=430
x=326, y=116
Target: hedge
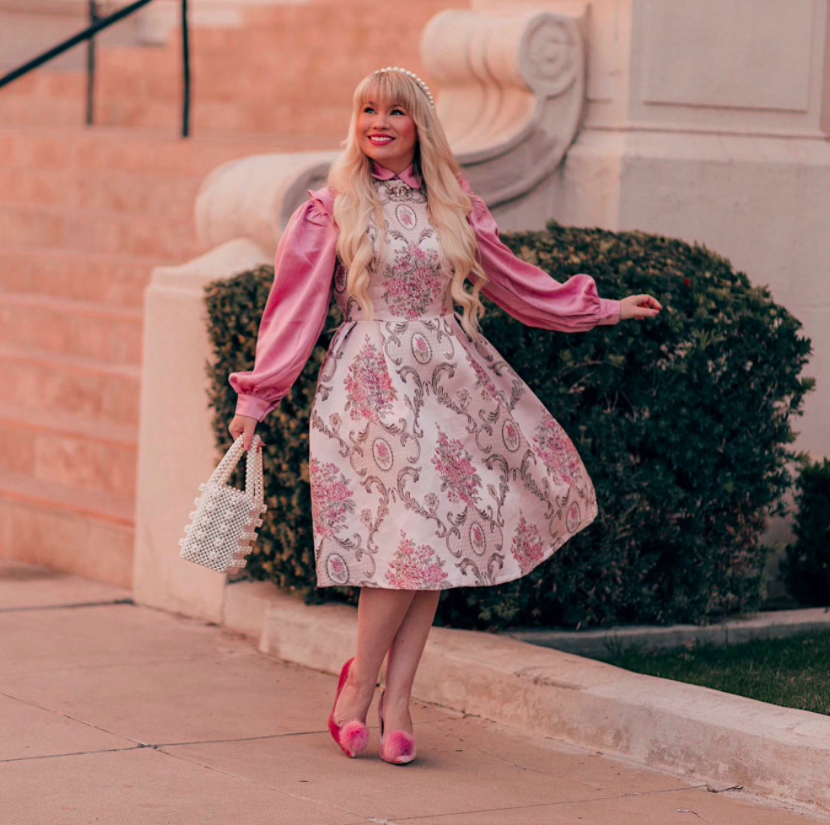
x=806, y=568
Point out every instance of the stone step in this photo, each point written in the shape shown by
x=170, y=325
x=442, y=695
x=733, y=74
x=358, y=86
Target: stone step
x=284, y=121
x=238, y=119
x=83, y=328
x=43, y=187
x=391, y=22
x=309, y=76
x=50, y=83
x=108, y=280
x=50, y=524
x=76, y=451
x=60, y=383
x=30, y=226
x=363, y=42
x=105, y=148
x=36, y=110
x=115, y=190
x=331, y=84
x=112, y=232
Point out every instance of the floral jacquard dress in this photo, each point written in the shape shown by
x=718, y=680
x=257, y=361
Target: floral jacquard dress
x=432, y=463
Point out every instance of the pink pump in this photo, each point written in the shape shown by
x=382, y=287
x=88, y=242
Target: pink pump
x=352, y=736
x=400, y=747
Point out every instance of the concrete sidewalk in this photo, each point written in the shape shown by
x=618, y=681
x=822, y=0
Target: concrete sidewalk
x=115, y=713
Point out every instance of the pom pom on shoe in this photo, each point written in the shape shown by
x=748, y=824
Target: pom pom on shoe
x=354, y=736
x=399, y=747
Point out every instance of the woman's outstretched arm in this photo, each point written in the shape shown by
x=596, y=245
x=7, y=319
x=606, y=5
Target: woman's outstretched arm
x=530, y=294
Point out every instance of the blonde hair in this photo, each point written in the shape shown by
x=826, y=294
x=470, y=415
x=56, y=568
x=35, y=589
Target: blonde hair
x=447, y=202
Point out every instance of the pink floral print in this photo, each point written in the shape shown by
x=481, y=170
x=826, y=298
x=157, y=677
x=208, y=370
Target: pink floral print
x=382, y=453
x=485, y=383
x=412, y=282
x=369, y=390
x=421, y=349
x=406, y=215
x=456, y=469
x=556, y=448
x=526, y=546
x=337, y=568
x=331, y=498
x=510, y=435
x=415, y=568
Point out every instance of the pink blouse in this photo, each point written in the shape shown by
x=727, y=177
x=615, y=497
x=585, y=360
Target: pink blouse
x=298, y=302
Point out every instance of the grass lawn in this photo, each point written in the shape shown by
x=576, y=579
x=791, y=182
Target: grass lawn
x=793, y=672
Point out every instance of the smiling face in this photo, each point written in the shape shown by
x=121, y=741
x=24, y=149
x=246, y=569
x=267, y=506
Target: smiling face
x=387, y=133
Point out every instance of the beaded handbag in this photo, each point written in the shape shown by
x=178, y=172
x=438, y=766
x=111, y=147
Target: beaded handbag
x=226, y=519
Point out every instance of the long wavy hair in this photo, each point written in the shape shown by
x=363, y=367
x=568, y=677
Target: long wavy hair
x=447, y=202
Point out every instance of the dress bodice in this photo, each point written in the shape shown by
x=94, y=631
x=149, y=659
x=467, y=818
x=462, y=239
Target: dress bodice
x=408, y=284
x=407, y=281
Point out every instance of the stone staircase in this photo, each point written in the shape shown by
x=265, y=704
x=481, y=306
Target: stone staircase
x=76, y=252
x=86, y=213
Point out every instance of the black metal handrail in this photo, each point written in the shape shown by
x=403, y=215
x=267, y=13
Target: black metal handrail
x=97, y=24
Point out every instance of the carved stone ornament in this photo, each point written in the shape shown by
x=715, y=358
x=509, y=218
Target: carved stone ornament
x=512, y=94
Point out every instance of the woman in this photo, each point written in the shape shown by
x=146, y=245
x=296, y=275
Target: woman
x=432, y=464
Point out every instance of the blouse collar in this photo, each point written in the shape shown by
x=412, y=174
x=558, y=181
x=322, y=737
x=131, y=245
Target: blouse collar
x=408, y=175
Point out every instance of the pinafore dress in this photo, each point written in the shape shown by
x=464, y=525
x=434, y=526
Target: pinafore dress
x=432, y=463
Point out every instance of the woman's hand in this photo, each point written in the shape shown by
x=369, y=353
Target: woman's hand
x=639, y=307
x=243, y=425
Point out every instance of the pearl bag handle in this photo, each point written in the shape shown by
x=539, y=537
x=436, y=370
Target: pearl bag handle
x=253, y=468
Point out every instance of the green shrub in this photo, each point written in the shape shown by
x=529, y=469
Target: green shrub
x=806, y=568
x=682, y=420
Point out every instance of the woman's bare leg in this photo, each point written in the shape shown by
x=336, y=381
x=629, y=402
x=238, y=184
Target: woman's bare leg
x=379, y=615
x=404, y=656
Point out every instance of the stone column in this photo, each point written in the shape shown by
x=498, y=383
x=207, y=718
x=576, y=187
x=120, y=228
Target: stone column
x=177, y=448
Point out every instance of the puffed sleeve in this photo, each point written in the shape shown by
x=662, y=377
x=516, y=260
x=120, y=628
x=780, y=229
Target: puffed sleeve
x=296, y=309
x=527, y=292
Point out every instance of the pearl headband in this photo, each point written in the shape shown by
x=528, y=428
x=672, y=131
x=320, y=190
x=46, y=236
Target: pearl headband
x=415, y=77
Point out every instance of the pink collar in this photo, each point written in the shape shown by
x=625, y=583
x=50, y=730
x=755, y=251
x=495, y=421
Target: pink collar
x=408, y=176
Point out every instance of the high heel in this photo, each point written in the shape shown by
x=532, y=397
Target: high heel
x=400, y=749
x=352, y=736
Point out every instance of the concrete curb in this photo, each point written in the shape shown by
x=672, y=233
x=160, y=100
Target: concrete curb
x=709, y=736
x=767, y=624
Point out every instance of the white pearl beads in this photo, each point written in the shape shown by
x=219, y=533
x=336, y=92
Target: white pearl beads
x=415, y=77
x=225, y=519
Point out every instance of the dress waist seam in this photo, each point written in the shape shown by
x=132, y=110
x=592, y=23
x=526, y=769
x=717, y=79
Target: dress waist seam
x=398, y=318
